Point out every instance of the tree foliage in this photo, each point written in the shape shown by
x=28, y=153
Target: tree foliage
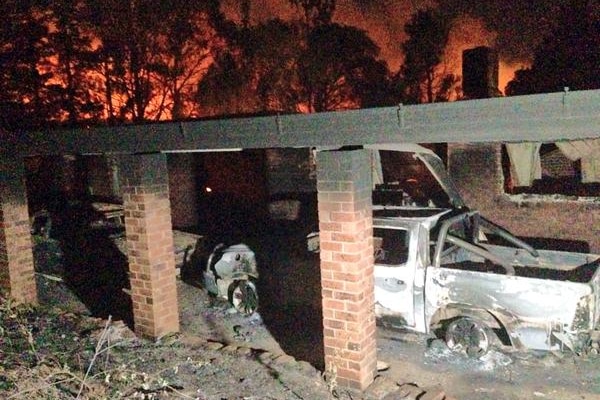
x=149, y=53
x=255, y=73
x=420, y=79
x=316, y=12
x=71, y=41
x=82, y=61
x=282, y=66
x=25, y=97
x=568, y=57
x=340, y=69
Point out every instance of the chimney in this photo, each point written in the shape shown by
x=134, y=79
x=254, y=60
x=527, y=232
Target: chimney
x=480, y=73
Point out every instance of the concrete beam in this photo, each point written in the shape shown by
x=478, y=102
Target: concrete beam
x=539, y=118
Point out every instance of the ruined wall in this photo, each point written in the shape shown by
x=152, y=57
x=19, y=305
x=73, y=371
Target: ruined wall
x=290, y=170
x=183, y=189
x=102, y=177
x=477, y=171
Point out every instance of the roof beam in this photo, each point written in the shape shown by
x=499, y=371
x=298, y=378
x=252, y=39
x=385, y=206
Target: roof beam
x=539, y=118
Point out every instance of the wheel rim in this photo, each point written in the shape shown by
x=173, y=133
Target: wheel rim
x=244, y=297
x=465, y=334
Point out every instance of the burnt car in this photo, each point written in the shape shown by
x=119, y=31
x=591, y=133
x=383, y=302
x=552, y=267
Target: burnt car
x=440, y=271
x=231, y=273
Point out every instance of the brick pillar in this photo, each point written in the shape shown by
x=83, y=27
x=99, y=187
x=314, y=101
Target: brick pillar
x=346, y=235
x=16, y=255
x=145, y=189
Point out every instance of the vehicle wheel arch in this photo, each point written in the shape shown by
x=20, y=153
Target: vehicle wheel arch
x=494, y=321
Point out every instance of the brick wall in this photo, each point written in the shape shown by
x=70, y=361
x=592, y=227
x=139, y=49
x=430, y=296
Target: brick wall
x=101, y=177
x=477, y=171
x=556, y=164
x=290, y=170
x=346, y=230
x=183, y=189
x=16, y=256
x=144, y=183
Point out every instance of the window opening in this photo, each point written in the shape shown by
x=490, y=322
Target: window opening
x=390, y=246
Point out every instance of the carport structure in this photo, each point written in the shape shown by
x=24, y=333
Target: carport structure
x=344, y=187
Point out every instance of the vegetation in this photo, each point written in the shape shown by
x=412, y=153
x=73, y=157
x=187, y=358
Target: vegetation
x=88, y=62
x=421, y=77
x=568, y=57
x=48, y=353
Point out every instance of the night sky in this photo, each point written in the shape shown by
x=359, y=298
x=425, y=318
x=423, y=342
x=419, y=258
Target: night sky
x=513, y=27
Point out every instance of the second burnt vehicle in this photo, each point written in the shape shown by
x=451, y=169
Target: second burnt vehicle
x=443, y=269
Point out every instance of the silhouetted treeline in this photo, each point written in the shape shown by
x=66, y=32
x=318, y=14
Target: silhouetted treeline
x=81, y=62
x=568, y=57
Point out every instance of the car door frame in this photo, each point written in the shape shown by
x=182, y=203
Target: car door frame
x=409, y=277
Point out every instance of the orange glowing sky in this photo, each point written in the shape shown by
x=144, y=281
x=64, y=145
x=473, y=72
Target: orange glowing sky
x=384, y=21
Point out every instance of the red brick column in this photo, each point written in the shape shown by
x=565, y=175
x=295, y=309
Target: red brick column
x=16, y=255
x=346, y=235
x=144, y=184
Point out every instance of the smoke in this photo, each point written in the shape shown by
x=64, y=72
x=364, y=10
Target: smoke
x=520, y=25
x=260, y=10
x=383, y=20
x=512, y=27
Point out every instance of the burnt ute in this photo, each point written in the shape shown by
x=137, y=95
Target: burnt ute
x=440, y=270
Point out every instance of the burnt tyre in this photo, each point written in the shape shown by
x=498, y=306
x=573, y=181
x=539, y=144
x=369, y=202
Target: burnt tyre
x=468, y=335
x=243, y=296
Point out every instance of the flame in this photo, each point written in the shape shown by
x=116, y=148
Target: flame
x=383, y=21
x=507, y=72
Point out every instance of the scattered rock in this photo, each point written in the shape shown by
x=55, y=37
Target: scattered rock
x=381, y=387
x=266, y=357
x=307, y=368
x=285, y=359
x=382, y=366
x=407, y=391
x=114, y=332
x=230, y=348
x=244, y=351
x=194, y=341
x=214, y=345
x=433, y=393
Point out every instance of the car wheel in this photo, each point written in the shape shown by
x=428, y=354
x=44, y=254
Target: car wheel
x=243, y=296
x=469, y=335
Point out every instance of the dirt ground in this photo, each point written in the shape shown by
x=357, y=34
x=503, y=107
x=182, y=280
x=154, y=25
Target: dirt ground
x=273, y=354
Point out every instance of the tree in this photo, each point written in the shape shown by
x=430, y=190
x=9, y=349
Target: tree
x=70, y=41
x=419, y=78
x=183, y=44
x=523, y=82
x=273, y=67
x=569, y=56
x=125, y=29
x=256, y=73
x=25, y=100
x=151, y=53
x=316, y=12
x=340, y=70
